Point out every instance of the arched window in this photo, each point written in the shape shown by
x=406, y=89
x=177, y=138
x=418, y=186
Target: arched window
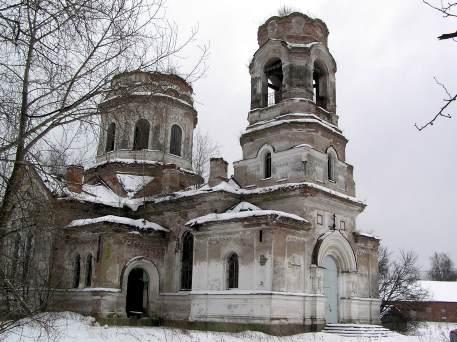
x=319, y=86
x=274, y=76
x=232, y=271
x=110, y=137
x=267, y=165
x=89, y=271
x=76, y=271
x=175, y=140
x=141, y=135
x=187, y=261
x=331, y=160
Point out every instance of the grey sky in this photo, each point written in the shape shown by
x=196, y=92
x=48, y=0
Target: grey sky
x=387, y=55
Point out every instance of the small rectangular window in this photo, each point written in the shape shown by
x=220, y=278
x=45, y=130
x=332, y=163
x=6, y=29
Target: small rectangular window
x=260, y=236
x=320, y=219
x=342, y=225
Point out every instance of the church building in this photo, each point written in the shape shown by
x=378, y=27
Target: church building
x=274, y=247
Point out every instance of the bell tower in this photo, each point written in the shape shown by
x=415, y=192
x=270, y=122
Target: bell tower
x=293, y=133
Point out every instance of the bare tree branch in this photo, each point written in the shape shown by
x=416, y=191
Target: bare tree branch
x=441, y=113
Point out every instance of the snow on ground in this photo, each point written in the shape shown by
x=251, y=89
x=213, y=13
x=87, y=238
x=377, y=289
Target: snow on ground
x=440, y=291
x=71, y=327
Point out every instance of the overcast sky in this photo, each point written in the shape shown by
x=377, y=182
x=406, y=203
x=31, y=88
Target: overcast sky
x=387, y=55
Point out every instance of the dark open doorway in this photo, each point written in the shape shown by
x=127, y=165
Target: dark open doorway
x=137, y=293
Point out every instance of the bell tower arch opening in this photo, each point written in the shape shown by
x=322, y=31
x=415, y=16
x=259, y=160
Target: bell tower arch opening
x=320, y=85
x=274, y=77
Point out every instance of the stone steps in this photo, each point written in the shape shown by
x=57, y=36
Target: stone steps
x=357, y=330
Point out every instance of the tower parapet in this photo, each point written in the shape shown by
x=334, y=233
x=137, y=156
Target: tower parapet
x=294, y=28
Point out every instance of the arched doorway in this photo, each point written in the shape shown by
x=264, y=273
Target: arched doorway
x=331, y=290
x=137, y=293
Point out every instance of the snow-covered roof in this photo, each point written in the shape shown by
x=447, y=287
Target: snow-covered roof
x=290, y=186
x=103, y=195
x=133, y=183
x=228, y=216
x=368, y=235
x=440, y=291
x=140, y=224
x=242, y=206
x=293, y=118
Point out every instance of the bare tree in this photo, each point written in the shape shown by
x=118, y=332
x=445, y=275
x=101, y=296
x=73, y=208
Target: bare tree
x=398, y=280
x=442, y=268
x=203, y=150
x=57, y=59
x=26, y=256
x=448, y=10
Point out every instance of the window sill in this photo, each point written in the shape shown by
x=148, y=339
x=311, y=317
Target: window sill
x=175, y=155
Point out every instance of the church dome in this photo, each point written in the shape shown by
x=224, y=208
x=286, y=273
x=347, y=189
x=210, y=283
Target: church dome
x=147, y=116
